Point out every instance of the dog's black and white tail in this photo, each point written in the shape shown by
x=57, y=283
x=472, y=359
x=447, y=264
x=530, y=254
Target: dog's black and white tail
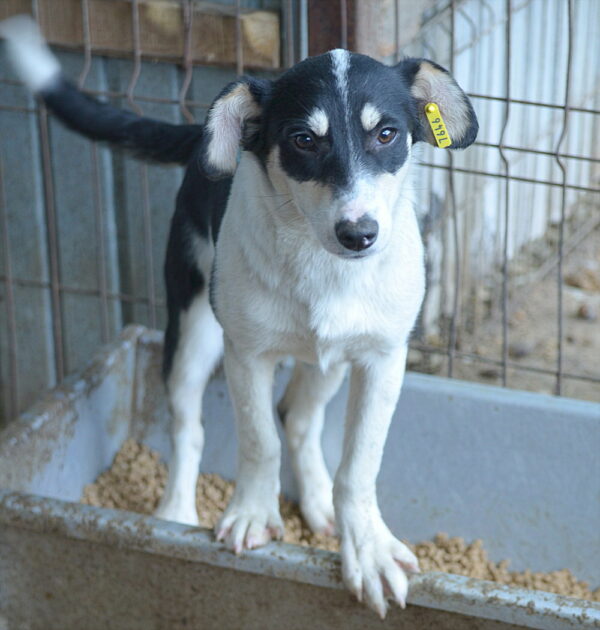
x=40, y=70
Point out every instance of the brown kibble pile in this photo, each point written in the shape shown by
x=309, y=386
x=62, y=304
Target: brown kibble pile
x=136, y=481
x=454, y=555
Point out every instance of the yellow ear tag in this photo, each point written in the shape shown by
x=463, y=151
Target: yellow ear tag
x=438, y=126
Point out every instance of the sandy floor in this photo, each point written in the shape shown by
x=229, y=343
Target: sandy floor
x=533, y=330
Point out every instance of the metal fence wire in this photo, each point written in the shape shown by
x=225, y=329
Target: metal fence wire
x=511, y=225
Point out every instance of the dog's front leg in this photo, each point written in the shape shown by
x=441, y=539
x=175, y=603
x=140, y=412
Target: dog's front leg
x=252, y=517
x=373, y=560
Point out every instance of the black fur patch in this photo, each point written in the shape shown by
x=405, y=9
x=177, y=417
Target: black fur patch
x=285, y=105
x=146, y=138
x=347, y=149
x=199, y=210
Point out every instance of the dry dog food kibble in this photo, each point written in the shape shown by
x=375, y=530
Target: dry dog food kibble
x=137, y=477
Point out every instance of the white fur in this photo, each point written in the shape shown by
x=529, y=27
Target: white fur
x=303, y=411
x=369, y=551
x=279, y=292
x=341, y=63
x=369, y=116
x=252, y=517
x=225, y=122
x=283, y=285
x=377, y=197
x=318, y=121
x=199, y=349
x=29, y=53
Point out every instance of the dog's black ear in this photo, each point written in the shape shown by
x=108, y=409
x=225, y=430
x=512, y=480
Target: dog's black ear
x=430, y=83
x=233, y=120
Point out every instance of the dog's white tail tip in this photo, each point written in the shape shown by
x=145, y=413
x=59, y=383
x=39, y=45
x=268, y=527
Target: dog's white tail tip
x=32, y=59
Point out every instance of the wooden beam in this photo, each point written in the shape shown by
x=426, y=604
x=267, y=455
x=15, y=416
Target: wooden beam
x=161, y=29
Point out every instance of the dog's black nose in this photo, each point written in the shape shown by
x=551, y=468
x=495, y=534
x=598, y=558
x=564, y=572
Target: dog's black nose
x=357, y=235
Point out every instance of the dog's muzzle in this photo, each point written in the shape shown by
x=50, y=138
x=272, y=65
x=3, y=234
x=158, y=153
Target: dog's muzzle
x=358, y=235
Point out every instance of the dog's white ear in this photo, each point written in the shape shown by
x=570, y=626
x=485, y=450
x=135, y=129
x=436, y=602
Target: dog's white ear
x=430, y=83
x=232, y=121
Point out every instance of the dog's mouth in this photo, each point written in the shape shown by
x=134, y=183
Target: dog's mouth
x=348, y=254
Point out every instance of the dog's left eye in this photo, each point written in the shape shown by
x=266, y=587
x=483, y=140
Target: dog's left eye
x=385, y=136
x=305, y=142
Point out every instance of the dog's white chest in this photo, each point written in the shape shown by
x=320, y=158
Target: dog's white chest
x=277, y=290
x=349, y=314
x=334, y=329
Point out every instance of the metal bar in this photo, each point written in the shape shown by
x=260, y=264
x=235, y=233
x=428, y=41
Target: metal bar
x=561, y=226
x=288, y=16
x=114, y=95
x=200, y=104
x=137, y=56
x=239, y=50
x=16, y=109
x=66, y=289
x=10, y=394
x=520, y=101
x=455, y=238
x=514, y=178
x=553, y=154
x=188, y=17
x=51, y=231
x=303, y=29
x=101, y=245
x=87, y=43
x=52, y=239
x=343, y=24
x=397, y=55
x=512, y=365
x=149, y=253
x=97, y=197
x=507, y=60
x=143, y=169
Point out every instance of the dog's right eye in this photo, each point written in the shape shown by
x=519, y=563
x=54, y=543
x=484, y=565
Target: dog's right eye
x=305, y=142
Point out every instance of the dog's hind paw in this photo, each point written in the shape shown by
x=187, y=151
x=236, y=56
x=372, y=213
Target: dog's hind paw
x=317, y=509
x=249, y=526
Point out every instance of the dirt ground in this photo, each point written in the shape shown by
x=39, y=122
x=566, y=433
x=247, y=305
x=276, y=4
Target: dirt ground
x=533, y=329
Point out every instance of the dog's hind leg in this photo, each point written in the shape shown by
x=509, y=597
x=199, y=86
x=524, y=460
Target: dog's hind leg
x=302, y=409
x=198, y=349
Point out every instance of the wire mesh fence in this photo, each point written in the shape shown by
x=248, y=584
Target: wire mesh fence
x=83, y=229
x=519, y=201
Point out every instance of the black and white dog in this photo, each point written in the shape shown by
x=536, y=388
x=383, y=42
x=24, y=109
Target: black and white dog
x=305, y=244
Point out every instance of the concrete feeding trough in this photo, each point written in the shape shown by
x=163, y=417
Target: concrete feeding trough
x=519, y=470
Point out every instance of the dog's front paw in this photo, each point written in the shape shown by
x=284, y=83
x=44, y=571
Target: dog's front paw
x=247, y=524
x=375, y=564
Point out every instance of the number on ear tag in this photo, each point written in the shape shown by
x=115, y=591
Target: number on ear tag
x=438, y=126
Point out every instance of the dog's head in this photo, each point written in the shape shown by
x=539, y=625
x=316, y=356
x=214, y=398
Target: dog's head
x=335, y=133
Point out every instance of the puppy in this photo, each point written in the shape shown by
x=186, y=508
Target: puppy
x=303, y=243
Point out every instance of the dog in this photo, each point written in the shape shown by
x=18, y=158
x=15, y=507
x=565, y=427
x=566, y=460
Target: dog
x=294, y=233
